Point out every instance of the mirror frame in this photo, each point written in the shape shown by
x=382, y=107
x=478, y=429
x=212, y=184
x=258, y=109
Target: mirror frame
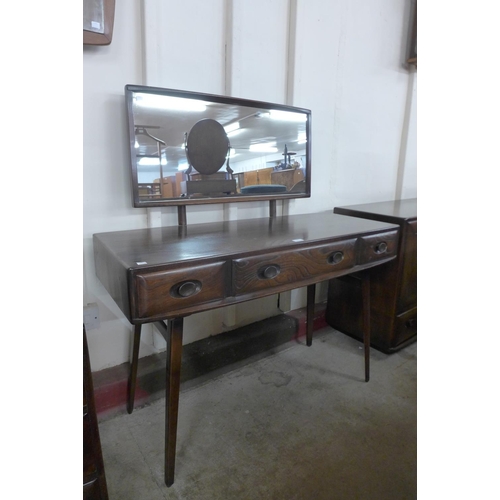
x=137, y=203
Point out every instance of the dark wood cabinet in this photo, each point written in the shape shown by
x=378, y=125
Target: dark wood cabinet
x=94, y=479
x=393, y=285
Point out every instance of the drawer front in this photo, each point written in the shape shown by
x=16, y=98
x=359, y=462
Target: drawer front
x=160, y=293
x=405, y=326
x=408, y=294
x=292, y=266
x=377, y=247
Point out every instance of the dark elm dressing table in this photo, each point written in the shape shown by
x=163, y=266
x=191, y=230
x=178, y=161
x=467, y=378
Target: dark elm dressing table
x=161, y=275
x=189, y=148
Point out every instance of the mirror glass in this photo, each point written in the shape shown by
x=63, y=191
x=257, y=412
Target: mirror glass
x=189, y=148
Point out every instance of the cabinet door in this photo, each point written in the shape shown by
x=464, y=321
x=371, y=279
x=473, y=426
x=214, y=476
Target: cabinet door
x=408, y=295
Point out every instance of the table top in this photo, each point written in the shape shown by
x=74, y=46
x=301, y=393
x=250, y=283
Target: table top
x=178, y=244
x=390, y=211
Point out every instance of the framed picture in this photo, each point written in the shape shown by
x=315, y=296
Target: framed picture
x=412, y=55
x=98, y=18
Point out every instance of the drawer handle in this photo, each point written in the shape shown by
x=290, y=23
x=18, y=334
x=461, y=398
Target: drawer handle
x=335, y=258
x=185, y=289
x=411, y=323
x=381, y=247
x=268, y=272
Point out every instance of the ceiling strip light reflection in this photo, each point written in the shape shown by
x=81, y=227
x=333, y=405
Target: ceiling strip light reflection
x=288, y=116
x=150, y=162
x=266, y=147
x=168, y=102
x=232, y=127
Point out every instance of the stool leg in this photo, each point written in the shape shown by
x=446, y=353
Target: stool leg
x=174, y=358
x=311, y=293
x=365, y=292
x=132, y=380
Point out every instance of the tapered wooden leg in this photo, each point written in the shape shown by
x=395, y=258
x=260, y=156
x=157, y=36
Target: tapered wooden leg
x=365, y=292
x=311, y=293
x=174, y=357
x=132, y=379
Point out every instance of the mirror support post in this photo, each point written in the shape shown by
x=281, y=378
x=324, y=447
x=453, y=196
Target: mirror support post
x=181, y=215
x=272, y=208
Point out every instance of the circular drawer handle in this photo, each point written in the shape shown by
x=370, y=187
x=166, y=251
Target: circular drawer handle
x=185, y=289
x=335, y=258
x=381, y=247
x=268, y=272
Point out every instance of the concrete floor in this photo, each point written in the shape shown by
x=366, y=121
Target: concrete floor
x=298, y=424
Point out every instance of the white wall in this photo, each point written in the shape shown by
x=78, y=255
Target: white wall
x=340, y=58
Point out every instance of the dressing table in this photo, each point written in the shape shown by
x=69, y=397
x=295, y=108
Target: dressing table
x=164, y=274
x=161, y=275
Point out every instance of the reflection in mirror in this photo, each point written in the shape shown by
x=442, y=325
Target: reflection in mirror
x=189, y=148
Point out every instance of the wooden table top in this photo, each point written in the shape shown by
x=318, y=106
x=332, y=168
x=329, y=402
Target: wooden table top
x=392, y=211
x=156, y=246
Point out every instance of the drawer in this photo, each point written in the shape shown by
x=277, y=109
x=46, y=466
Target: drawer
x=411, y=227
x=292, y=266
x=405, y=326
x=377, y=247
x=408, y=278
x=163, y=292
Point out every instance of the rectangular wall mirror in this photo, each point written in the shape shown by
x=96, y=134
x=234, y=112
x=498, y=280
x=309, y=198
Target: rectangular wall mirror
x=193, y=148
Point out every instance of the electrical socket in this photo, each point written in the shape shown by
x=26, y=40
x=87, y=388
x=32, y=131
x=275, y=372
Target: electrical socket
x=91, y=316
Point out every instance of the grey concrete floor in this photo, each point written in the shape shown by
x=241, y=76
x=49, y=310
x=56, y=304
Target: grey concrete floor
x=298, y=424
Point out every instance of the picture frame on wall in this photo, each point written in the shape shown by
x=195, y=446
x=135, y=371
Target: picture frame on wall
x=412, y=54
x=98, y=20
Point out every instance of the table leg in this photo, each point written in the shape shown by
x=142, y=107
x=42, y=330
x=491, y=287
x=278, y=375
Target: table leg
x=311, y=294
x=174, y=357
x=132, y=380
x=365, y=292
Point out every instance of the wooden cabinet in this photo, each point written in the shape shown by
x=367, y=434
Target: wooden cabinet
x=257, y=177
x=167, y=186
x=393, y=285
x=288, y=177
x=94, y=480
